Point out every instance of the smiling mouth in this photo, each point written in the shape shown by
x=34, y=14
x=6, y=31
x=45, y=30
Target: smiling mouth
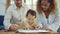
x=44, y=5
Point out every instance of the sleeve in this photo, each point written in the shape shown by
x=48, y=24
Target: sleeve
x=38, y=20
x=55, y=24
x=7, y=18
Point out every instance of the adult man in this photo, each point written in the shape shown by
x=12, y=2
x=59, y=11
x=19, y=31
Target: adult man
x=15, y=14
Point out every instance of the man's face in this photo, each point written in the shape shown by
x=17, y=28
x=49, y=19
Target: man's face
x=18, y=2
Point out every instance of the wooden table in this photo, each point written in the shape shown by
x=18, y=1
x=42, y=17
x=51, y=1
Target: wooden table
x=2, y=32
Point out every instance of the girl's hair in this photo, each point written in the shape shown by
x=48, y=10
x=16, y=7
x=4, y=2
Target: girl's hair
x=32, y=12
x=52, y=8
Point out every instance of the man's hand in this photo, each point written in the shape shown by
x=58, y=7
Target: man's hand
x=14, y=27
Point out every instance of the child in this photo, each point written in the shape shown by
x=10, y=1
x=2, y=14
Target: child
x=30, y=22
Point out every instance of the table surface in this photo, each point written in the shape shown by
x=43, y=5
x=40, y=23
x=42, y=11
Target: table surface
x=13, y=32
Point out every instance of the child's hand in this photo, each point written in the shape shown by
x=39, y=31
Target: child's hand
x=37, y=27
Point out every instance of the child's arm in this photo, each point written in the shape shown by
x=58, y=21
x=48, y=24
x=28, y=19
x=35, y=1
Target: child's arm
x=22, y=25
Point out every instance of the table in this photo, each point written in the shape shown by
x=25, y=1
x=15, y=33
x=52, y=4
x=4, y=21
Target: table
x=2, y=32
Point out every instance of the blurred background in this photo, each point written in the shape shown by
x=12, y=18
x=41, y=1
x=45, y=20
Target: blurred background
x=30, y=3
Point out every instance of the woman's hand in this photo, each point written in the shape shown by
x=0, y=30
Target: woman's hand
x=14, y=27
x=37, y=27
x=47, y=29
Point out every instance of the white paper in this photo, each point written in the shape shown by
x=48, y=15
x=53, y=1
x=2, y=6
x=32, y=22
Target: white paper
x=32, y=31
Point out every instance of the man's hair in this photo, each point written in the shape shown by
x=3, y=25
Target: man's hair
x=32, y=12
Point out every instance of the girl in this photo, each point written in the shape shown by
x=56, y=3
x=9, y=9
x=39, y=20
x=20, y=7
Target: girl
x=30, y=22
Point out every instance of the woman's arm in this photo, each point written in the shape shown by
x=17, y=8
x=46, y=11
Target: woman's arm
x=55, y=25
x=38, y=20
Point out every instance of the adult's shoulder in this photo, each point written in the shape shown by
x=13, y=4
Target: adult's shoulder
x=25, y=6
x=11, y=8
x=57, y=12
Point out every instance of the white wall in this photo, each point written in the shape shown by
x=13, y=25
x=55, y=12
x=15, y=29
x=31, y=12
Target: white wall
x=2, y=7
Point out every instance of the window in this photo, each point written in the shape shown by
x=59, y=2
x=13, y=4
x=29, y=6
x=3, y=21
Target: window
x=12, y=1
x=31, y=4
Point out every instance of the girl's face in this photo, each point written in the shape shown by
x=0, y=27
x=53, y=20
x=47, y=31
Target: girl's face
x=30, y=18
x=45, y=5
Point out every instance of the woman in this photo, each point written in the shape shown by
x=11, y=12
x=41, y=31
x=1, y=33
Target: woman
x=48, y=15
